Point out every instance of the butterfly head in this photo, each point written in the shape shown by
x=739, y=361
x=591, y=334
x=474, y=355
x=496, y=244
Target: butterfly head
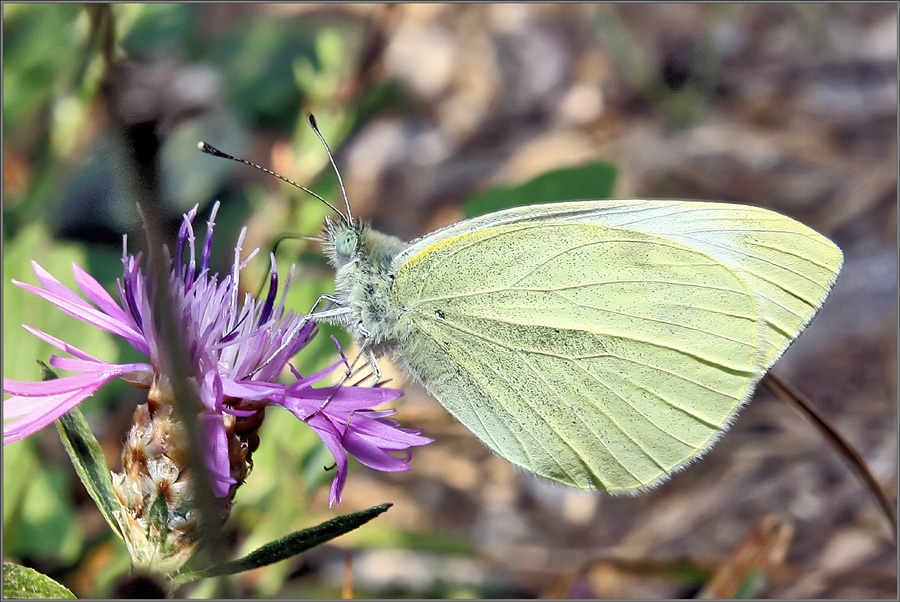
x=342, y=240
x=355, y=243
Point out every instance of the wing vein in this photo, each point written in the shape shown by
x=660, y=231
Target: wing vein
x=625, y=359
x=535, y=289
x=500, y=375
x=537, y=439
x=657, y=320
x=581, y=420
x=770, y=262
x=658, y=396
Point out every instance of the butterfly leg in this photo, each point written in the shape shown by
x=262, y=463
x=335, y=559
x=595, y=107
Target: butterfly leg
x=365, y=347
x=330, y=298
x=363, y=335
x=351, y=369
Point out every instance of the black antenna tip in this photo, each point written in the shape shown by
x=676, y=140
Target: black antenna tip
x=312, y=121
x=212, y=150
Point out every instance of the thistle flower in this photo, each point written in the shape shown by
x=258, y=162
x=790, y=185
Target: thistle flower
x=237, y=349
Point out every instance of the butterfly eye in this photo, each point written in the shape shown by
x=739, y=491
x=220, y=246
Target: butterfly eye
x=345, y=243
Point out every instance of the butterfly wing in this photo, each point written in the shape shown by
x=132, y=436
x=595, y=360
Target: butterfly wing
x=606, y=344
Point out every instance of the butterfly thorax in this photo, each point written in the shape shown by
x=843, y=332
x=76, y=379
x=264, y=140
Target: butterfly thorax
x=362, y=257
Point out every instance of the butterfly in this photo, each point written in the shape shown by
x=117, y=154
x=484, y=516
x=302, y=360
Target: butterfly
x=599, y=344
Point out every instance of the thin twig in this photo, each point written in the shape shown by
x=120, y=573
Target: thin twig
x=851, y=455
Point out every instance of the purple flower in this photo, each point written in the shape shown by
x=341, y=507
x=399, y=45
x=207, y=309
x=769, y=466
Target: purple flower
x=237, y=347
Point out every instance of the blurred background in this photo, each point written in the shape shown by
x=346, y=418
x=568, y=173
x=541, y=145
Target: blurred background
x=436, y=112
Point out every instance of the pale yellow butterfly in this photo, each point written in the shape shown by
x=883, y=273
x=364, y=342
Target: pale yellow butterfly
x=600, y=344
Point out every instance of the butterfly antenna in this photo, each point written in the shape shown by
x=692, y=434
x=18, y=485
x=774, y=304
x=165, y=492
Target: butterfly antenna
x=315, y=128
x=211, y=150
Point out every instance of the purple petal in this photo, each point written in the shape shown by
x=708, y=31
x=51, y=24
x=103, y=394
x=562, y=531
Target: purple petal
x=273, y=290
x=340, y=349
x=374, y=457
x=211, y=393
x=132, y=286
x=239, y=413
x=94, y=291
x=347, y=399
x=31, y=407
x=185, y=234
x=215, y=445
x=313, y=378
x=385, y=434
x=253, y=390
x=66, y=384
x=53, y=285
x=85, y=313
x=332, y=440
x=92, y=365
x=207, y=242
x=59, y=344
x=43, y=411
x=47, y=388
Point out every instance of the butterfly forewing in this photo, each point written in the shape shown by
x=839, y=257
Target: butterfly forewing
x=584, y=343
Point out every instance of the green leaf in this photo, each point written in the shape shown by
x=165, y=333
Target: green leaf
x=291, y=545
x=90, y=464
x=594, y=181
x=25, y=583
